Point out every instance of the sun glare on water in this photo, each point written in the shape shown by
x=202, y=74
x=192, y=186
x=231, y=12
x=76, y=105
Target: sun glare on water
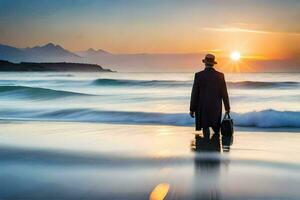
x=235, y=55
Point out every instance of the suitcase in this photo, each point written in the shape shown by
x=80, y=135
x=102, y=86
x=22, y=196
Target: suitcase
x=227, y=126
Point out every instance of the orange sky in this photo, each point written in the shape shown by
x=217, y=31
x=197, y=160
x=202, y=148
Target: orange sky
x=260, y=30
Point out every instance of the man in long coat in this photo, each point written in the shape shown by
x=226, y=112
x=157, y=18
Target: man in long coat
x=209, y=89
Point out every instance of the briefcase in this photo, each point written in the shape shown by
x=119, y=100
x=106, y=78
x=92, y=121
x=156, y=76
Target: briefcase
x=227, y=126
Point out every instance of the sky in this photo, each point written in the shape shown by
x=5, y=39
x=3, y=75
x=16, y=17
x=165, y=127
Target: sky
x=261, y=30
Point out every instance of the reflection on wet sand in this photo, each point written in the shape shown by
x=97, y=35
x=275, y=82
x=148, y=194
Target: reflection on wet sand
x=208, y=165
x=159, y=192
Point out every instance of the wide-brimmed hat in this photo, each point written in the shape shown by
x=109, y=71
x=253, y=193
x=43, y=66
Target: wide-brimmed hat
x=209, y=59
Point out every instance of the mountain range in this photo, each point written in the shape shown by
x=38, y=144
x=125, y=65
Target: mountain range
x=120, y=62
x=171, y=62
x=46, y=53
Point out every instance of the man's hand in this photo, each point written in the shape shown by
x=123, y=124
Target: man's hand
x=192, y=114
x=227, y=111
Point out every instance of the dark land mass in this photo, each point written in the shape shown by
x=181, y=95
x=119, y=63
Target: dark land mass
x=6, y=66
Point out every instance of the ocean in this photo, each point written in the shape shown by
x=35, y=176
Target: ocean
x=130, y=136
x=258, y=100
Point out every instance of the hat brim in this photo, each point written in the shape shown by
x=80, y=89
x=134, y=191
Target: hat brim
x=207, y=62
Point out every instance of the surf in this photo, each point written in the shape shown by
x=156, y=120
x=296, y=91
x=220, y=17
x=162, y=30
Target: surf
x=258, y=119
x=26, y=92
x=172, y=83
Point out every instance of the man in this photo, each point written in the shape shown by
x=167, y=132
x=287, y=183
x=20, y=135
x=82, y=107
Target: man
x=209, y=89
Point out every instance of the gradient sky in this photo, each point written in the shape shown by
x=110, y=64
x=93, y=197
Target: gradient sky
x=259, y=29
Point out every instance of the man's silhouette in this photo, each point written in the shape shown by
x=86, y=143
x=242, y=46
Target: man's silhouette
x=209, y=89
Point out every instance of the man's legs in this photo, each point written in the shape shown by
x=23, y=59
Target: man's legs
x=216, y=129
x=206, y=133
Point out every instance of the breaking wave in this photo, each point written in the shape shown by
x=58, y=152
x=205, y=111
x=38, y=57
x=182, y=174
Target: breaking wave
x=168, y=83
x=261, y=119
x=259, y=84
x=35, y=92
x=124, y=82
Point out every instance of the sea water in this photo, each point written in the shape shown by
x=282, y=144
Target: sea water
x=260, y=100
x=139, y=139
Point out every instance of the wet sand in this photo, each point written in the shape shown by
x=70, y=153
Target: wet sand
x=50, y=160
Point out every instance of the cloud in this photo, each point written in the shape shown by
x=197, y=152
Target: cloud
x=212, y=51
x=243, y=30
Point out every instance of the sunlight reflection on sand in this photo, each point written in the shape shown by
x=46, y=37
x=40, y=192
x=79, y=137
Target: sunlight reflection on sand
x=160, y=191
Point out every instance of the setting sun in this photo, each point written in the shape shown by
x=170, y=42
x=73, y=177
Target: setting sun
x=235, y=56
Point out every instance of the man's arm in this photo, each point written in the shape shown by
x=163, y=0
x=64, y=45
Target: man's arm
x=225, y=94
x=194, y=97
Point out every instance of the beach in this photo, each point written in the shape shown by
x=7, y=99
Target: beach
x=158, y=100
x=129, y=136
x=62, y=160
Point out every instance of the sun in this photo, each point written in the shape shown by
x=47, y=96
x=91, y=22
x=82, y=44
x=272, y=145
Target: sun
x=235, y=55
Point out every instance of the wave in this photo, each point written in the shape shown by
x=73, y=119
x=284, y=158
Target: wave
x=259, y=84
x=125, y=82
x=170, y=83
x=261, y=119
x=35, y=92
x=60, y=75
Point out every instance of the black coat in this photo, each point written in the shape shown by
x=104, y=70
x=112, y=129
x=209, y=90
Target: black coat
x=209, y=89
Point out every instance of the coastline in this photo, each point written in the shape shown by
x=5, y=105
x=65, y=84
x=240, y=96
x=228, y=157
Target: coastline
x=6, y=66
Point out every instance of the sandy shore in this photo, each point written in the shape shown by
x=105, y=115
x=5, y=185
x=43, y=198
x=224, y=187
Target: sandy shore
x=49, y=160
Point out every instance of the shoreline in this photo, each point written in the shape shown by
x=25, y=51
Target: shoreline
x=236, y=128
x=55, y=130
x=70, y=160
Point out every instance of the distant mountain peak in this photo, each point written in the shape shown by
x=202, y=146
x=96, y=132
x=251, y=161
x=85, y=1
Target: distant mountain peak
x=91, y=50
x=50, y=45
x=103, y=51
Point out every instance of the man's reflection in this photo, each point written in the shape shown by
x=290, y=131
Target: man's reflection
x=207, y=165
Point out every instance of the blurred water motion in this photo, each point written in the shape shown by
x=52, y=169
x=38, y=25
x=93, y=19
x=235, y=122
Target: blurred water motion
x=42, y=160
